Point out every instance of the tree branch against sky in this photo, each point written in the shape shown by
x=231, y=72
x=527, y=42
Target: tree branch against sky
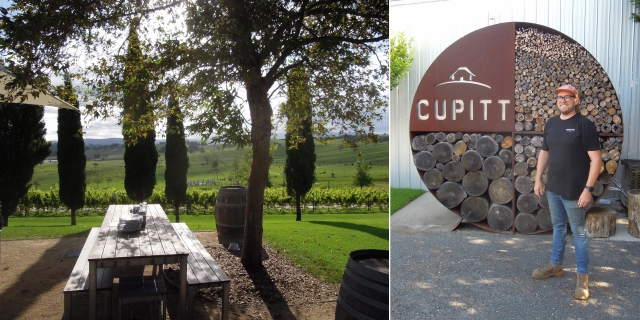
x=226, y=46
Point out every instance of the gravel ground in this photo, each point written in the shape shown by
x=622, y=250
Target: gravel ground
x=475, y=274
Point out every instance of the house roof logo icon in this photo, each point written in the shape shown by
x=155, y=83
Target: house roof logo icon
x=461, y=72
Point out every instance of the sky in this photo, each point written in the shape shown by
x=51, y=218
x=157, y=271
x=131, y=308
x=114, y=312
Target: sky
x=109, y=128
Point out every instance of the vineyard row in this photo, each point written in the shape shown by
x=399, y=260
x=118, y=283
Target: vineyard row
x=46, y=202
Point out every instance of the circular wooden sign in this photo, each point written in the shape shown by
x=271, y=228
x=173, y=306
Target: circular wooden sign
x=478, y=117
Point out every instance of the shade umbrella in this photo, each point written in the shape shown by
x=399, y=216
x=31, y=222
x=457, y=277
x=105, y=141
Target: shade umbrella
x=43, y=99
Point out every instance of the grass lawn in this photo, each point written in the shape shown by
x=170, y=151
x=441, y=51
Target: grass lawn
x=402, y=197
x=320, y=243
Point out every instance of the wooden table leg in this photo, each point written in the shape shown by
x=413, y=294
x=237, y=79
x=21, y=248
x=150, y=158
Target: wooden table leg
x=183, y=286
x=93, y=285
x=225, y=300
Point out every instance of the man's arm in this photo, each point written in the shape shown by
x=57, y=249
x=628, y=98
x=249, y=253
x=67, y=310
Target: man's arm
x=594, y=172
x=538, y=187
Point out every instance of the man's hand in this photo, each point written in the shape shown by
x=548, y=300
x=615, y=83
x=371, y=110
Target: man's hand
x=585, y=199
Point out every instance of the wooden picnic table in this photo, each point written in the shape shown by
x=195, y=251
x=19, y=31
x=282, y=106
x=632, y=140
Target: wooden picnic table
x=158, y=243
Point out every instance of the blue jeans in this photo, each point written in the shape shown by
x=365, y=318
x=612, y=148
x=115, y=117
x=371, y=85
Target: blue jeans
x=561, y=210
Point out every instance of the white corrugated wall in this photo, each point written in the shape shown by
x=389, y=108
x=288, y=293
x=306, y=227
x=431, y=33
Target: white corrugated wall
x=603, y=27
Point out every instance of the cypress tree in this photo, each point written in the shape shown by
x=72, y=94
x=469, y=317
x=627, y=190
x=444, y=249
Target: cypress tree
x=140, y=155
x=300, y=165
x=175, y=175
x=71, y=158
x=23, y=145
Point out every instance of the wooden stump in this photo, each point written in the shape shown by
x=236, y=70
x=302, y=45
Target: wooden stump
x=600, y=222
x=633, y=206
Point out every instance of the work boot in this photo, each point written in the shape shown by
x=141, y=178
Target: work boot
x=582, y=288
x=550, y=270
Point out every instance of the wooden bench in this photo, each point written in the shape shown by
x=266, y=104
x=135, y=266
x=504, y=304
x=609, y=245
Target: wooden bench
x=79, y=279
x=203, y=271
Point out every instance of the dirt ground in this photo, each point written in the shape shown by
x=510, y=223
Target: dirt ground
x=33, y=275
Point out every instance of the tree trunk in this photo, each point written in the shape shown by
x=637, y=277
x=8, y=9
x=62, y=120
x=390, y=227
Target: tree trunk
x=176, y=208
x=298, y=213
x=73, y=217
x=260, y=134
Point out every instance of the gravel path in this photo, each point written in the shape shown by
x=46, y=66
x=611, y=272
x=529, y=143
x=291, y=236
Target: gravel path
x=475, y=274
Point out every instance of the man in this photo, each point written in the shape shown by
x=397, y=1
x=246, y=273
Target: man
x=571, y=149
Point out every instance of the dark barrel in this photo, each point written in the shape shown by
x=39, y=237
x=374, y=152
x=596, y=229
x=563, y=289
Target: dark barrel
x=364, y=291
x=230, y=207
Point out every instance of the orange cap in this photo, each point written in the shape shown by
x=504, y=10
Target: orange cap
x=569, y=89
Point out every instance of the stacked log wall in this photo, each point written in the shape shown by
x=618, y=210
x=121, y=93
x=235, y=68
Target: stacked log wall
x=469, y=173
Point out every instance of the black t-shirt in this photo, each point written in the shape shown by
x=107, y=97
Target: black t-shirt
x=568, y=142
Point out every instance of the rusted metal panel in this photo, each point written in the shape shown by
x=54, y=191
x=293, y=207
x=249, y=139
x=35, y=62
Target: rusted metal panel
x=470, y=85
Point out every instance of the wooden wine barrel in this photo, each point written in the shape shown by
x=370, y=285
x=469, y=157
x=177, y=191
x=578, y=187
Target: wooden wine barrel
x=364, y=290
x=229, y=213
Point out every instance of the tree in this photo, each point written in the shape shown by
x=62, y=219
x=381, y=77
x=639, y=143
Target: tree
x=175, y=174
x=299, y=167
x=23, y=145
x=140, y=155
x=401, y=57
x=215, y=164
x=634, y=15
x=226, y=46
x=361, y=177
x=72, y=161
